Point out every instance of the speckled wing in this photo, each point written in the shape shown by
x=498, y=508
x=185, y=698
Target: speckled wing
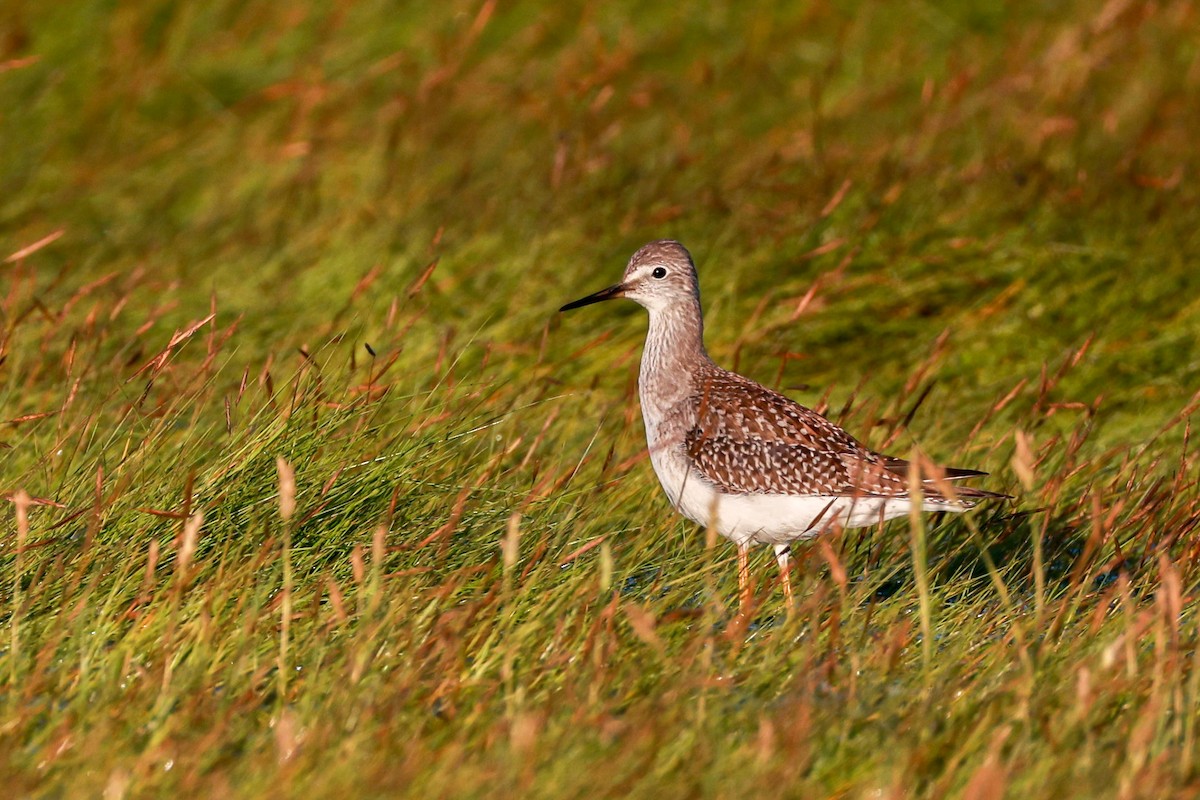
x=758, y=466
x=750, y=440
x=728, y=404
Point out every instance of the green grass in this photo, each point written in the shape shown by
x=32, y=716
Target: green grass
x=336, y=234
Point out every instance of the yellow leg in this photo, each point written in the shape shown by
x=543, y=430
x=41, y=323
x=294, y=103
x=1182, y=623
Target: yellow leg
x=782, y=552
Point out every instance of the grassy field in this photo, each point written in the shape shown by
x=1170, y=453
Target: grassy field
x=309, y=492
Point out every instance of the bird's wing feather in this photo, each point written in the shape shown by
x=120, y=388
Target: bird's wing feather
x=750, y=440
x=757, y=466
x=901, y=467
x=728, y=404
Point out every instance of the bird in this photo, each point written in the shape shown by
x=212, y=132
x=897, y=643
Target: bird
x=743, y=459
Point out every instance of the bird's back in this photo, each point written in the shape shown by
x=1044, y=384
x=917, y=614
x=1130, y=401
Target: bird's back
x=744, y=438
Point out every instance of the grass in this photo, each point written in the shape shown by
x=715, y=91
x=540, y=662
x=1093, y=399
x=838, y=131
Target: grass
x=311, y=493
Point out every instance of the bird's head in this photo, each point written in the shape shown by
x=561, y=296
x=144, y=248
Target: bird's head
x=659, y=276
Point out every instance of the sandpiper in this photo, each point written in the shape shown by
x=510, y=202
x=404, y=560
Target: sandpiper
x=747, y=461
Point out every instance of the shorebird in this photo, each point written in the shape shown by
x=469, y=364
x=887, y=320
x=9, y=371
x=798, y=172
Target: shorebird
x=746, y=461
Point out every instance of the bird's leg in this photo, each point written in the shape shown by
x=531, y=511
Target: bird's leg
x=782, y=553
x=744, y=577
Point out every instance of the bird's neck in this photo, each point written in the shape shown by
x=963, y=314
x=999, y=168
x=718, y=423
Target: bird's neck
x=674, y=354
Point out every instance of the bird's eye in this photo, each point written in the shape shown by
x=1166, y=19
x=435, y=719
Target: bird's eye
x=659, y=272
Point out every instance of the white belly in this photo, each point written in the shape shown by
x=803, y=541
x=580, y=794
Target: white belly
x=770, y=518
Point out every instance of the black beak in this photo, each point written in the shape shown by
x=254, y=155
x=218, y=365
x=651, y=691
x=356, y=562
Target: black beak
x=603, y=294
